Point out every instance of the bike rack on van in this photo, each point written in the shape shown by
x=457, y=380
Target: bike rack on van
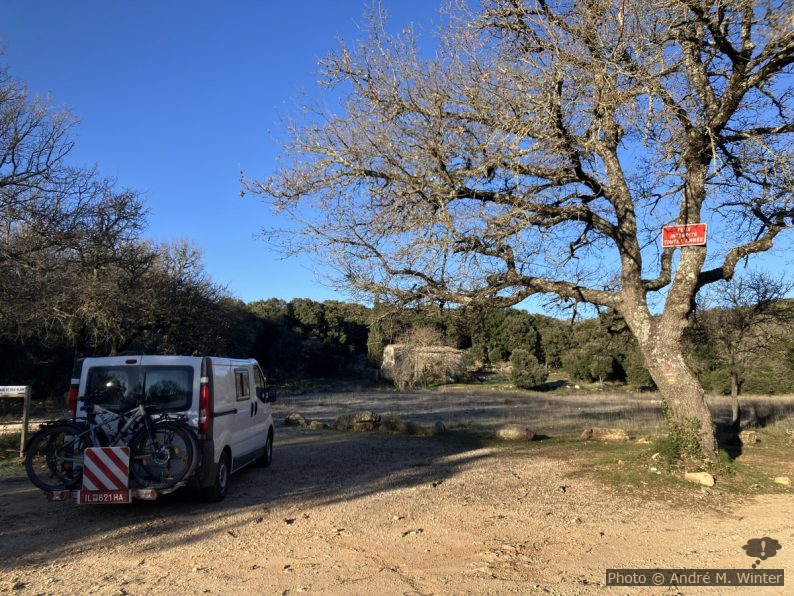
x=106, y=480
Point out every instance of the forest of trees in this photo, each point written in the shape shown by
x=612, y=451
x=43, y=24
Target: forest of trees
x=304, y=339
x=80, y=278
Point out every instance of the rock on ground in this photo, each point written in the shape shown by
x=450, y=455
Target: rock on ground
x=748, y=437
x=515, y=432
x=341, y=513
x=360, y=422
x=703, y=478
x=604, y=434
x=295, y=419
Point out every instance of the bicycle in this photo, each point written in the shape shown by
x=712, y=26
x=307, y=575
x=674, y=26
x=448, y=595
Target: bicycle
x=163, y=452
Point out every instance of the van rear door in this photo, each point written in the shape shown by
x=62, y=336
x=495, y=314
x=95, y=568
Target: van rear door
x=117, y=382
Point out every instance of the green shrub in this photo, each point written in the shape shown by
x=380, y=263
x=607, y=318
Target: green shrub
x=602, y=366
x=497, y=354
x=636, y=373
x=475, y=357
x=577, y=364
x=526, y=372
x=716, y=381
x=683, y=438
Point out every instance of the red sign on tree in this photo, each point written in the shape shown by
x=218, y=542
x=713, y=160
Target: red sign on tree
x=686, y=235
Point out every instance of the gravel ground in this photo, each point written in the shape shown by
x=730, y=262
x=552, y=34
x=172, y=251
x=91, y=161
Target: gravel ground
x=370, y=513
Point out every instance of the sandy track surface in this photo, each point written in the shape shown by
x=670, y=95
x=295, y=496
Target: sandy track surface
x=341, y=513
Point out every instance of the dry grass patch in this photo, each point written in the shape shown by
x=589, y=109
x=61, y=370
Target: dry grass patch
x=10, y=463
x=646, y=469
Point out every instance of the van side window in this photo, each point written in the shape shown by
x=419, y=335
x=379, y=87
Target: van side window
x=242, y=384
x=259, y=383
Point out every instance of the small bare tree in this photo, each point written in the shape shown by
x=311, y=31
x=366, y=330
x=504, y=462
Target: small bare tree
x=743, y=318
x=420, y=358
x=540, y=149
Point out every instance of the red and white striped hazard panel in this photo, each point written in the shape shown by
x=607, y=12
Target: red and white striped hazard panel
x=106, y=468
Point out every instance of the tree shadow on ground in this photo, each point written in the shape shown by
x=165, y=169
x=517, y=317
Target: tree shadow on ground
x=753, y=416
x=551, y=385
x=728, y=438
x=309, y=470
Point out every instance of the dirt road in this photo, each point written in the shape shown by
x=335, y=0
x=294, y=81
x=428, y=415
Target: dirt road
x=341, y=513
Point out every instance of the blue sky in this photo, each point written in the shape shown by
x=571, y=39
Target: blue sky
x=175, y=98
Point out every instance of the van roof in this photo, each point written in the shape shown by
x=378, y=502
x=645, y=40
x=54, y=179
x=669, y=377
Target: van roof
x=162, y=359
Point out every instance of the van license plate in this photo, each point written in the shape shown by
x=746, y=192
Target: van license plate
x=103, y=497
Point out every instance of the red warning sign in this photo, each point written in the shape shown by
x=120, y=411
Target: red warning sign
x=686, y=235
x=106, y=473
x=106, y=468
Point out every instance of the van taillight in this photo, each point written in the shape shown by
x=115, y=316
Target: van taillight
x=71, y=404
x=205, y=410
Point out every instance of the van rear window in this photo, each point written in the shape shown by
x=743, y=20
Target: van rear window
x=118, y=388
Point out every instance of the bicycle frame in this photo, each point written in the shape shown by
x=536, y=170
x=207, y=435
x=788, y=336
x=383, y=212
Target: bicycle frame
x=100, y=439
x=132, y=416
x=96, y=428
x=132, y=419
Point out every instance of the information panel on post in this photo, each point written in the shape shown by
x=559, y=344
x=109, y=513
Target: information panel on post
x=18, y=391
x=23, y=392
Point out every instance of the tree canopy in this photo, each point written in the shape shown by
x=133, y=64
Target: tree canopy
x=76, y=270
x=540, y=149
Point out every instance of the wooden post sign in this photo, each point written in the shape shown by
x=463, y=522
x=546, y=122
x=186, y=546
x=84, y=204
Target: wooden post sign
x=19, y=392
x=687, y=235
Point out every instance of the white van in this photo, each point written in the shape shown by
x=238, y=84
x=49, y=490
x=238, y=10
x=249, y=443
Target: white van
x=226, y=401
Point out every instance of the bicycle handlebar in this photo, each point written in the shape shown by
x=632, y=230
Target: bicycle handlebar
x=90, y=403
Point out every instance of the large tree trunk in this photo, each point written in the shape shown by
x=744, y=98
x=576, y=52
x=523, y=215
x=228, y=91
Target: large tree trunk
x=681, y=390
x=660, y=340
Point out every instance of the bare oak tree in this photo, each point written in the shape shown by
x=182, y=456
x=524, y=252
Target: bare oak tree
x=540, y=147
x=34, y=140
x=62, y=228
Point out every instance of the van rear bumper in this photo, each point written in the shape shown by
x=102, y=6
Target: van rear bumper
x=207, y=467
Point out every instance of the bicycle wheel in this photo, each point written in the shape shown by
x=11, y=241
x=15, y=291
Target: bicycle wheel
x=54, y=457
x=163, y=457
